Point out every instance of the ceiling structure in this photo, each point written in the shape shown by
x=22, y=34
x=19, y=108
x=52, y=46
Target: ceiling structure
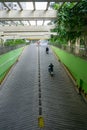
x=40, y=0
x=27, y=15
x=16, y=20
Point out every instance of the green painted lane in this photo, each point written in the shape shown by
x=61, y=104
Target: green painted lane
x=7, y=60
x=76, y=65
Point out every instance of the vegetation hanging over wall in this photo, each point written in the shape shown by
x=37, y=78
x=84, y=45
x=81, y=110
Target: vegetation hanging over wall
x=70, y=21
x=14, y=42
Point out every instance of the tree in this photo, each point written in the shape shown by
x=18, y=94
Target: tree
x=70, y=21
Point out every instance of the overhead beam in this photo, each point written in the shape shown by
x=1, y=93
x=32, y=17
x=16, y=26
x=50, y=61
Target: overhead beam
x=27, y=15
x=34, y=6
x=30, y=34
x=21, y=23
x=48, y=3
x=6, y=5
x=20, y=6
x=27, y=37
x=29, y=22
x=26, y=28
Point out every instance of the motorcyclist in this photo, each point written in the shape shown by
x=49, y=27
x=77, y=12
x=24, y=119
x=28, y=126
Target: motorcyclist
x=51, y=67
x=47, y=50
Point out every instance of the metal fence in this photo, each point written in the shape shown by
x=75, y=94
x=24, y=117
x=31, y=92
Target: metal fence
x=76, y=50
x=5, y=49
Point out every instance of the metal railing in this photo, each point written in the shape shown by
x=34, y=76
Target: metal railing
x=5, y=49
x=78, y=51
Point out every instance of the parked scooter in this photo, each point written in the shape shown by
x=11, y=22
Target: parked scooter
x=50, y=69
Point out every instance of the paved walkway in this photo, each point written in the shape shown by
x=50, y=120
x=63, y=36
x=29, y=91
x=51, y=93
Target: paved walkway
x=29, y=92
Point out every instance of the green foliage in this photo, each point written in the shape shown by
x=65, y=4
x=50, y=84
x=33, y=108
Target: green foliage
x=14, y=42
x=55, y=6
x=70, y=21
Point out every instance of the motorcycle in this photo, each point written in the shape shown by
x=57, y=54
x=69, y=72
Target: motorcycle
x=47, y=50
x=50, y=69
